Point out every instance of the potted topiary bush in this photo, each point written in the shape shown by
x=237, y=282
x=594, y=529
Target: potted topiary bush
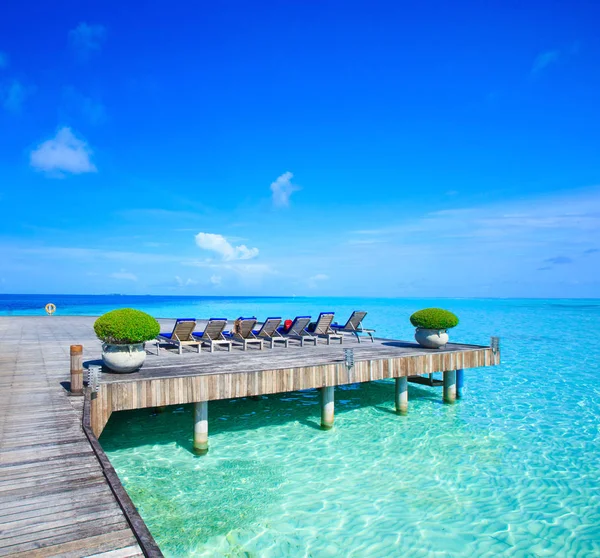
x=432, y=324
x=124, y=333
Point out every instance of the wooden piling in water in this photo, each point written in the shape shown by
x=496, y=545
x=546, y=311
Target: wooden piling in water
x=449, y=386
x=201, y=427
x=327, y=407
x=77, y=369
x=401, y=398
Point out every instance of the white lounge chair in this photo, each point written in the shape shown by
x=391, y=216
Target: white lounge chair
x=322, y=328
x=244, y=335
x=354, y=326
x=182, y=335
x=298, y=331
x=268, y=332
x=213, y=334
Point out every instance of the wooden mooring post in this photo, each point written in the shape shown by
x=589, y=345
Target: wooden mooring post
x=327, y=407
x=77, y=369
x=401, y=398
x=201, y=427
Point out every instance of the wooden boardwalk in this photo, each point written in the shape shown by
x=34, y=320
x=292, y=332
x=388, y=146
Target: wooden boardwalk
x=54, y=496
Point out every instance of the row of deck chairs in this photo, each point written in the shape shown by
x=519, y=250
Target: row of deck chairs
x=270, y=332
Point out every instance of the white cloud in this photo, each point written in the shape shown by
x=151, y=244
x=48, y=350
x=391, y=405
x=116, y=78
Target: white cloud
x=184, y=283
x=366, y=241
x=314, y=281
x=551, y=57
x=14, y=96
x=282, y=189
x=87, y=38
x=124, y=276
x=244, y=272
x=238, y=268
x=554, y=220
x=544, y=60
x=94, y=254
x=76, y=104
x=3, y=60
x=219, y=244
x=65, y=153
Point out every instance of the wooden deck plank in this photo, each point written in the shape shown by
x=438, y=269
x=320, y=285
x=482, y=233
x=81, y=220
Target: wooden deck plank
x=28, y=475
x=53, y=507
x=40, y=466
x=33, y=530
x=73, y=532
x=128, y=552
x=33, y=502
x=97, y=545
x=52, y=486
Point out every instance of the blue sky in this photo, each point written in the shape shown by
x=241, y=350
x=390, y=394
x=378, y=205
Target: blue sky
x=300, y=147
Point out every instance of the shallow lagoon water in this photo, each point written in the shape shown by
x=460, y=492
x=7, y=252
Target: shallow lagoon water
x=512, y=469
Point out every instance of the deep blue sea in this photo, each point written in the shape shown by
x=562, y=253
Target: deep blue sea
x=513, y=469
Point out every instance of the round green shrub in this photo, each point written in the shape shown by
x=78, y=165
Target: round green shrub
x=126, y=326
x=434, y=318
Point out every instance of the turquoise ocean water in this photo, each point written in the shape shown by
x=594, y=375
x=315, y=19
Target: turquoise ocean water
x=513, y=469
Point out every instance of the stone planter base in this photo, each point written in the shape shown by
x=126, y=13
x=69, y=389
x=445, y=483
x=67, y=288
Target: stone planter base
x=123, y=358
x=431, y=338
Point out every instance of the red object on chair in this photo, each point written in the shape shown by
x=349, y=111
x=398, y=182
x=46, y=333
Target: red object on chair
x=287, y=324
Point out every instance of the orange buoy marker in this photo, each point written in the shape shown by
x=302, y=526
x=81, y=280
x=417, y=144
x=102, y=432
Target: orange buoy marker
x=50, y=308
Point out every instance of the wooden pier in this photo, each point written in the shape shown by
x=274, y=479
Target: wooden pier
x=60, y=496
x=57, y=496
x=173, y=379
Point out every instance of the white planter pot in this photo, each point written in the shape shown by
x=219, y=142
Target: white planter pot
x=431, y=338
x=123, y=358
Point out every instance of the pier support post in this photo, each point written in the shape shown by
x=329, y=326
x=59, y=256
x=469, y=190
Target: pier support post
x=402, y=395
x=76, y=369
x=460, y=383
x=449, y=386
x=201, y=427
x=327, y=407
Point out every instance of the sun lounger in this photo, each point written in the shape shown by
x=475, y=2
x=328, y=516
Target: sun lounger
x=322, y=328
x=268, y=332
x=180, y=336
x=298, y=330
x=242, y=333
x=354, y=327
x=213, y=334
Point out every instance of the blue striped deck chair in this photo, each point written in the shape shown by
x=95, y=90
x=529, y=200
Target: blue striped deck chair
x=322, y=328
x=298, y=331
x=213, y=334
x=354, y=326
x=269, y=332
x=180, y=336
x=242, y=333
